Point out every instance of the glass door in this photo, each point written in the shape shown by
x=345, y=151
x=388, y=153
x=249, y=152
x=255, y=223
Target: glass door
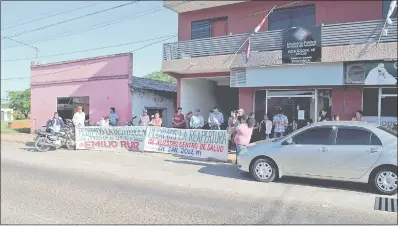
x=297, y=105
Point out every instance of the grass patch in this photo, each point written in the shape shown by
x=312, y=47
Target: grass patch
x=6, y=130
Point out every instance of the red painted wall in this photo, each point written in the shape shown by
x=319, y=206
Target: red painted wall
x=345, y=101
x=246, y=99
x=327, y=12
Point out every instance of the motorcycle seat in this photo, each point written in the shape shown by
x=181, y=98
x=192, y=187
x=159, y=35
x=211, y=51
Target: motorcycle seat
x=45, y=133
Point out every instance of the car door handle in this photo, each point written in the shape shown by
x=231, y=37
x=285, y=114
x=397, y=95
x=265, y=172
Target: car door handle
x=372, y=150
x=323, y=149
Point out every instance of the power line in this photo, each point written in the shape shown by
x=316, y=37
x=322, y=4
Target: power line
x=53, y=15
x=76, y=18
x=145, y=13
x=87, y=50
x=99, y=26
x=34, y=47
x=250, y=15
x=142, y=47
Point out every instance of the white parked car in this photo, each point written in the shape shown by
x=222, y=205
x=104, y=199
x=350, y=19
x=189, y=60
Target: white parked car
x=336, y=150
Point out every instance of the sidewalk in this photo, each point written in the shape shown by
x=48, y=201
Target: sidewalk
x=20, y=138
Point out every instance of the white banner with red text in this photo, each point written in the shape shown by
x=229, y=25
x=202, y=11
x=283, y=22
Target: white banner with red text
x=95, y=137
x=197, y=143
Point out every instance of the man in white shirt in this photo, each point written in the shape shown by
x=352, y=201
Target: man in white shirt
x=216, y=119
x=197, y=121
x=79, y=117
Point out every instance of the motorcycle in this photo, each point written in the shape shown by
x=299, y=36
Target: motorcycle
x=50, y=139
x=37, y=133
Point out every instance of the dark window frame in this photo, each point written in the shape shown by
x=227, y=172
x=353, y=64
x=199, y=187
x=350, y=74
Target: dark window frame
x=355, y=128
x=286, y=11
x=210, y=26
x=385, y=6
x=331, y=137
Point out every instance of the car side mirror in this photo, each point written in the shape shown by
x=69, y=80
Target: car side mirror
x=289, y=141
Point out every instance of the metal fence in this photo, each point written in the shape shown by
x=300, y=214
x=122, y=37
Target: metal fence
x=332, y=35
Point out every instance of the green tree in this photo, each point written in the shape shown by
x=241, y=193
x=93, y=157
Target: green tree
x=20, y=102
x=160, y=76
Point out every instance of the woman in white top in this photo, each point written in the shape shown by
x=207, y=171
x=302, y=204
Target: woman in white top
x=79, y=117
x=265, y=128
x=197, y=121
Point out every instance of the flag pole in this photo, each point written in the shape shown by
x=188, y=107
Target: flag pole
x=393, y=4
x=382, y=30
x=269, y=12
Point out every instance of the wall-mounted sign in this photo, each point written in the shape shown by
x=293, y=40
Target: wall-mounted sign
x=371, y=73
x=301, y=45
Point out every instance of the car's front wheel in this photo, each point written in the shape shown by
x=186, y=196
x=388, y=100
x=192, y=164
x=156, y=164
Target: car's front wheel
x=385, y=181
x=263, y=170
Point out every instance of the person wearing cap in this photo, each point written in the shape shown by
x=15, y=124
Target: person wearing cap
x=197, y=121
x=79, y=117
x=144, y=118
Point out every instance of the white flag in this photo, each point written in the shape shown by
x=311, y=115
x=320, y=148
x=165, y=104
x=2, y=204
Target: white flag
x=393, y=4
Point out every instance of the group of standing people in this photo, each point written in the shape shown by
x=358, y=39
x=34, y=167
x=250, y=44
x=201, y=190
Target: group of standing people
x=145, y=120
x=196, y=121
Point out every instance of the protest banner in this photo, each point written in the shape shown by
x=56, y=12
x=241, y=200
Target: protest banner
x=188, y=142
x=95, y=137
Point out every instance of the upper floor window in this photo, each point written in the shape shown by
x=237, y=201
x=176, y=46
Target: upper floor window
x=285, y=18
x=209, y=28
x=386, y=7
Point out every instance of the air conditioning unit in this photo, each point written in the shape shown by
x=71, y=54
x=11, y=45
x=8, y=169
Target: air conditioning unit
x=355, y=74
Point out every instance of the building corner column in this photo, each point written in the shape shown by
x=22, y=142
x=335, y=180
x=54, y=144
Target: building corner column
x=246, y=99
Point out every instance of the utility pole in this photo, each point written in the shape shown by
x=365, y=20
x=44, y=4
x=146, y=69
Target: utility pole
x=36, y=49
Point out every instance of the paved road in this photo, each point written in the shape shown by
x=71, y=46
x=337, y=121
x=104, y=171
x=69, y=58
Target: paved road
x=55, y=188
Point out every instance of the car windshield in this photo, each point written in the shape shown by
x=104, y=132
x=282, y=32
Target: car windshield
x=390, y=131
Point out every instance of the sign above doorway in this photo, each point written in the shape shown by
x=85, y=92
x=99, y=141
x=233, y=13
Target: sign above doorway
x=371, y=73
x=301, y=45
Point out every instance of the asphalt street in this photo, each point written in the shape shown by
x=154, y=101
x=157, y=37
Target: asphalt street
x=132, y=188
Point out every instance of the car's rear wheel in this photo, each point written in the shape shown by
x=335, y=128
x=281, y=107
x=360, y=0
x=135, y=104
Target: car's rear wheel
x=263, y=170
x=385, y=181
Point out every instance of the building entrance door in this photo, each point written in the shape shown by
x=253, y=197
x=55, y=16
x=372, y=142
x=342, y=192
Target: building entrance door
x=298, y=106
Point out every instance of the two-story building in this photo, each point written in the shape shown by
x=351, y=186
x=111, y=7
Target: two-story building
x=308, y=56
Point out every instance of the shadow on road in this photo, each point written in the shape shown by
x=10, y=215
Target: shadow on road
x=232, y=171
x=348, y=186
x=29, y=146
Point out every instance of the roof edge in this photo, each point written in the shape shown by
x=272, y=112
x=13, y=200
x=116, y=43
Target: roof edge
x=81, y=60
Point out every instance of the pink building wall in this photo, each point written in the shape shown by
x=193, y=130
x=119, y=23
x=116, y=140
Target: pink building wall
x=105, y=80
x=327, y=12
